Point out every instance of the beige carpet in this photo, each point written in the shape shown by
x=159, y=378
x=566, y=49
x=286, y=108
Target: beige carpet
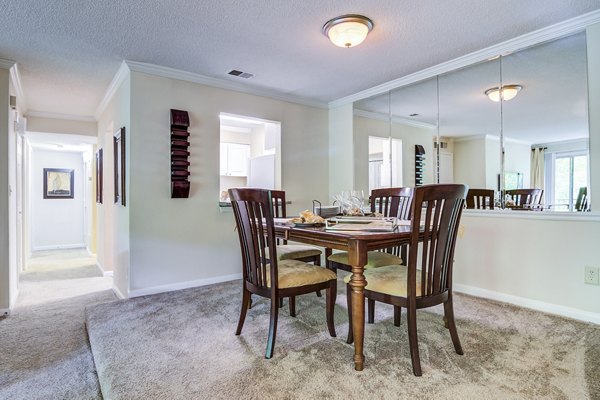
x=44, y=351
x=181, y=345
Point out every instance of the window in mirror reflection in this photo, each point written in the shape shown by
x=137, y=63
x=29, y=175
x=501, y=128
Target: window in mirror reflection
x=568, y=175
x=385, y=162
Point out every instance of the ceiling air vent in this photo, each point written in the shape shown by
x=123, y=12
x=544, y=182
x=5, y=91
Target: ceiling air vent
x=240, y=74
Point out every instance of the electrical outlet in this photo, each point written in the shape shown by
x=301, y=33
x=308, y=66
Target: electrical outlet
x=591, y=275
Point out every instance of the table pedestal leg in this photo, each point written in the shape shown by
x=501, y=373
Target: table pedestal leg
x=358, y=259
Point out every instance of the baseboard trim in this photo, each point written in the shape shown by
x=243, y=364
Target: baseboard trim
x=118, y=293
x=183, y=285
x=60, y=247
x=537, y=305
x=4, y=312
x=102, y=271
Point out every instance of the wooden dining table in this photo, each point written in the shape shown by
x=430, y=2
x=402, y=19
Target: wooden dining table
x=357, y=244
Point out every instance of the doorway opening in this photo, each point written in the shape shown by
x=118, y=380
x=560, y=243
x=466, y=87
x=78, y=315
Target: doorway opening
x=385, y=162
x=250, y=153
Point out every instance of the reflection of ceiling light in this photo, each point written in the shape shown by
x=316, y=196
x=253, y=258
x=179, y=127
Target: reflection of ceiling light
x=508, y=92
x=347, y=30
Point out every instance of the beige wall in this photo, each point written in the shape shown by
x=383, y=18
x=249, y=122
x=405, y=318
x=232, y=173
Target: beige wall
x=177, y=242
x=529, y=259
x=113, y=220
x=57, y=125
x=341, y=149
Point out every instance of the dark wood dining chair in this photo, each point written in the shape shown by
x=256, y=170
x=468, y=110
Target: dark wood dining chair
x=581, y=204
x=481, y=199
x=526, y=199
x=287, y=251
x=272, y=278
x=389, y=202
x=436, y=212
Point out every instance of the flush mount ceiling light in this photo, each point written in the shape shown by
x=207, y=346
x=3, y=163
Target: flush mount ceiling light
x=507, y=92
x=347, y=30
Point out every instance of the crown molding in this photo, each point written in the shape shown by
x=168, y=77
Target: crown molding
x=172, y=73
x=119, y=77
x=6, y=64
x=15, y=77
x=68, y=117
x=399, y=120
x=551, y=32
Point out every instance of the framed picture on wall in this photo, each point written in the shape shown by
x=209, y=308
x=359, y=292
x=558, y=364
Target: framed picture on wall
x=99, y=176
x=58, y=183
x=119, y=166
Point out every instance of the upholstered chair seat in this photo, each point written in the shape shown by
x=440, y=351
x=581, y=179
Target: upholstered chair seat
x=293, y=273
x=375, y=259
x=389, y=279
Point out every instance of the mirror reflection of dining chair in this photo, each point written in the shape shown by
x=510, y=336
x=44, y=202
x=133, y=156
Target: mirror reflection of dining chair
x=436, y=213
x=582, y=200
x=389, y=202
x=481, y=199
x=272, y=278
x=525, y=199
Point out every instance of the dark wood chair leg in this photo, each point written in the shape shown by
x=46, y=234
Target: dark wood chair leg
x=330, y=297
x=292, y=304
x=397, y=315
x=250, y=302
x=281, y=302
x=272, y=327
x=371, y=311
x=413, y=340
x=449, y=314
x=245, y=305
x=349, y=301
x=445, y=322
x=317, y=261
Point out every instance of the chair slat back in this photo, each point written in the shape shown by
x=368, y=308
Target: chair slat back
x=526, y=197
x=278, y=197
x=582, y=199
x=279, y=210
x=480, y=199
x=392, y=202
x=253, y=210
x=436, y=213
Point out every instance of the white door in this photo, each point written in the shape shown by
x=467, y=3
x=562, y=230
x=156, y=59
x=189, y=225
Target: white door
x=446, y=168
x=19, y=193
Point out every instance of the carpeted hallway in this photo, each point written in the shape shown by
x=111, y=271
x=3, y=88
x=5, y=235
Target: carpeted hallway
x=44, y=350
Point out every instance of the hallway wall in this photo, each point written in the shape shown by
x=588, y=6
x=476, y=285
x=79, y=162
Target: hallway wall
x=56, y=223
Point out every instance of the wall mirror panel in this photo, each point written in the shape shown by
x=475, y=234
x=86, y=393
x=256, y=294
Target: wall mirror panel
x=546, y=134
x=470, y=125
x=532, y=134
x=414, y=122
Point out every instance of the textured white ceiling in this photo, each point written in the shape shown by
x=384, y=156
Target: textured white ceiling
x=69, y=50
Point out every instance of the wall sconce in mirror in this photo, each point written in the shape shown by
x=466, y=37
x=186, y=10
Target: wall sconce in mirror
x=508, y=92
